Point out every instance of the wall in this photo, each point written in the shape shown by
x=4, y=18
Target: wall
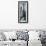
x=9, y=15
x=38, y=17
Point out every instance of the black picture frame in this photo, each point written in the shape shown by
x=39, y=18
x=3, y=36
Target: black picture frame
x=22, y=11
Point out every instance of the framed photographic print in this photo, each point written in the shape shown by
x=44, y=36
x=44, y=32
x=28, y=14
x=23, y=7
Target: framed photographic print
x=22, y=11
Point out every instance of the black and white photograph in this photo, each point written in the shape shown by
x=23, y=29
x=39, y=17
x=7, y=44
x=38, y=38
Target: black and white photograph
x=22, y=22
x=22, y=11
